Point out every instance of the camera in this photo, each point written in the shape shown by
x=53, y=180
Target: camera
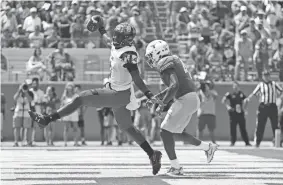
x=25, y=87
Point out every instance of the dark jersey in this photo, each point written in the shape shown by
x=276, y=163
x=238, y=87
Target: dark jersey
x=236, y=100
x=186, y=83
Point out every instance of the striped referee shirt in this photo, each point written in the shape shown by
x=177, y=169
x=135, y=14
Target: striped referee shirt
x=267, y=91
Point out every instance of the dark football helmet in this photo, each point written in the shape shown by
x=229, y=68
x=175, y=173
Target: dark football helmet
x=123, y=35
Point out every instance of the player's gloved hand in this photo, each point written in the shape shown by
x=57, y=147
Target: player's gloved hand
x=159, y=110
x=94, y=23
x=156, y=100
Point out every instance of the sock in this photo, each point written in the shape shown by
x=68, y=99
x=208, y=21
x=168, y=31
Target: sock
x=204, y=146
x=169, y=143
x=83, y=139
x=147, y=148
x=53, y=117
x=175, y=164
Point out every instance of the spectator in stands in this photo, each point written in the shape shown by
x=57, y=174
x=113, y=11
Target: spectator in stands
x=198, y=53
x=146, y=13
x=205, y=23
x=194, y=27
x=9, y=26
x=262, y=30
x=274, y=41
x=47, y=25
x=215, y=59
x=62, y=65
x=63, y=23
x=72, y=119
x=125, y=14
x=77, y=32
x=219, y=12
x=52, y=40
x=32, y=21
x=241, y=20
x=23, y=12
x=35, y=65
x=278, y=57
x=38, y=102
x=36, y=38
x=3, y=110
x=138, y=24
x=49, y=101
x=81, y=122
x=21, y=38
x=21, y=119
x=222, y=36
x=262, y=55
x=244, y=53
x=183, y=17
x=252, y=32
x=74, y=9
x=111, y=22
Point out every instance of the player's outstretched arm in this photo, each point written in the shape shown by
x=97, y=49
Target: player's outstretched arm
x=131, y=58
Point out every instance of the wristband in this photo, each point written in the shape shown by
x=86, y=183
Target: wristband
x=102, y=30
x=148, y=94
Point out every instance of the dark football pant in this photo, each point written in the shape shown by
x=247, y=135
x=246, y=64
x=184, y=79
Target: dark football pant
x=238, y=119
x=105, y=97
x=266, y=111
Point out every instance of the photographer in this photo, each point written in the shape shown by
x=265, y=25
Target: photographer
x=21, y=119
x=206, y=113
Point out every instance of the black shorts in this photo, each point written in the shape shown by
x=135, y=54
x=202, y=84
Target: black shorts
x=81, y=123
x=207, y=119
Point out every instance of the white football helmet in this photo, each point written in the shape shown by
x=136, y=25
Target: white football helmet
x=155, y=50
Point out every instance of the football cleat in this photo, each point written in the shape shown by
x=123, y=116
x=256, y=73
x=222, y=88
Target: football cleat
x=210, y=152
x=155, y=161
x=40, y=119
x=174, y=171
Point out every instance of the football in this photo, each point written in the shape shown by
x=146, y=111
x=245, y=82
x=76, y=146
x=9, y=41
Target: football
x=94, y=23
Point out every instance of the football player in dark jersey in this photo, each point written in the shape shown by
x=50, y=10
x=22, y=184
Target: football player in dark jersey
x=180, y=95
x=118, y=94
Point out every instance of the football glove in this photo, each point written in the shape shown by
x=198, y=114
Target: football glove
x=94, y=23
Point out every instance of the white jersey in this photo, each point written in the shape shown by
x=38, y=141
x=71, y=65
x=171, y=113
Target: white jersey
x=120, y=78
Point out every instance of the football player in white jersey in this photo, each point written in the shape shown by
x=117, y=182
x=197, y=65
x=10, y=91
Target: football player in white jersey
x=180, y=99
x=118, y=94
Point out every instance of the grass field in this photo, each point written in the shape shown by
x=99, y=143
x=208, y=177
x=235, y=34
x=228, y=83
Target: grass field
x=113, y=165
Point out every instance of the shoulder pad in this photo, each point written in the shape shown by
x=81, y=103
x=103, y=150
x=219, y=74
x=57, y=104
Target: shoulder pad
x=129, y=57
x=166, y=63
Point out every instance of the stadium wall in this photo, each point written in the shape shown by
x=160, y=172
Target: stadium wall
x=93, y=127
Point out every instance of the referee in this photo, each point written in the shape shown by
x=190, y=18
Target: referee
x=267, y=90
x=236, y=112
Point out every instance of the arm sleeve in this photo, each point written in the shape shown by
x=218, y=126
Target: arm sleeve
x=227, y=96
x=256, y=90
x=278, y=88
x=244, y=96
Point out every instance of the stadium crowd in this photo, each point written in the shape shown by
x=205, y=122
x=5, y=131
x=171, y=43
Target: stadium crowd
x=221, y=38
